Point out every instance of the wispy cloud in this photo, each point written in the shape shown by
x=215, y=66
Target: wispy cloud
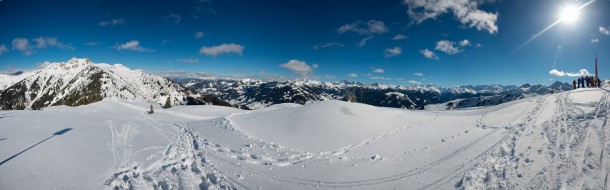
x=369, y=29
x=92, y=43
x=604, y=31
x=222, y=49
x=428, y=54
x=300, y=68
x=198, y=35
x=582, y=72
x=133, y=45
x=186, y=74
x=173, y=18
x=378, y=70
x=413, y=82
x=23, y=45
x=327, y=44
x=391, y=52
x=419, y=74
x=594, y=40
x=466, y=11
x=113, y=22
x=353, y=75
x=188, y=60
x=399, y=37
x=27, y=48
x=447, y=46
x=166, y=41
x=379, y=78
x=3, y=49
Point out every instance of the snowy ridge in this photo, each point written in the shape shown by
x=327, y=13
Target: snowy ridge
x=257, y=94
x=79, y=81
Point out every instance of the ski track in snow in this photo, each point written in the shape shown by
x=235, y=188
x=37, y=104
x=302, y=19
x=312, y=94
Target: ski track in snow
x=182, y=166
x=192, y=162
x=567, y=158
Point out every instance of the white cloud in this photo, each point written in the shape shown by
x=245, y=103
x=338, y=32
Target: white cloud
x=299, y=67
x=133, y=45
x=478, y=45
x=23, y=45
x=464, y=42
x=113, y=22
x=174, y=18
x=582, y=72
x=391, y=52
x=466, y=11
x=188, y=60
x=44, y=42
x=413, y=82
x=328, y=76
x=327, y=44
x=447, y=46
x=368, y=29
x=419, y=74
x=379, y=78
x=428, y=54
x=353, y=75
x=594, y=40
x=378, y=70
x=399, y=37
x=199, y=34
x=604, y=31
x=3, y=49
x=27, y=48
x=42, y=64
x=222, y=49
x=364, y=28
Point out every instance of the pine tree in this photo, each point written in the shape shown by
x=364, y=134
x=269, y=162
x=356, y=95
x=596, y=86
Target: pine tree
x=168, y=103
x=151, y=110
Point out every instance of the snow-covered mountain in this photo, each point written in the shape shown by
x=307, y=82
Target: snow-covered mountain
x=258, y=94
x=79, y=81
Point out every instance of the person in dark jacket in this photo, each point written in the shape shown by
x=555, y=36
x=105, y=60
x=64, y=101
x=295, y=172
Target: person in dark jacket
x=579, y=82
x=574, y=84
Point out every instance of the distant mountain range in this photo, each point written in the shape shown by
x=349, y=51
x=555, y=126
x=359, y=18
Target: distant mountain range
x=256, y=94
x=79, y=81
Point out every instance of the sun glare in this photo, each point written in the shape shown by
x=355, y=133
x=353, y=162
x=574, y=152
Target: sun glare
x=569, y=14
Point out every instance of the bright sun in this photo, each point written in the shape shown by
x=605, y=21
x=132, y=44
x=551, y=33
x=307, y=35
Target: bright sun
x=570, y=14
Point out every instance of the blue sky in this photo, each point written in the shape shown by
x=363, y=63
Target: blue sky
x=404, y=42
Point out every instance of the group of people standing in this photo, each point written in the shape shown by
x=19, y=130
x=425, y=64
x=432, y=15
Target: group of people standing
x=586, y=82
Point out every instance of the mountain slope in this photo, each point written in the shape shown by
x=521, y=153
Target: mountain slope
x=79, y=82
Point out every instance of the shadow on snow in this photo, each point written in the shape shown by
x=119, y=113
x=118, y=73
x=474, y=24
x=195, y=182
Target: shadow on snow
x=60, y=132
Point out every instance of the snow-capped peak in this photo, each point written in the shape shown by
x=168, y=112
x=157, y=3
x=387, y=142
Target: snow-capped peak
x=80, y=81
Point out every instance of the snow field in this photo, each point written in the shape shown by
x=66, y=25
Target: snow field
x=545, y=142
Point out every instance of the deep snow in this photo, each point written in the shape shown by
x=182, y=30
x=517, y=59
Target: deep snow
x=545, y=142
